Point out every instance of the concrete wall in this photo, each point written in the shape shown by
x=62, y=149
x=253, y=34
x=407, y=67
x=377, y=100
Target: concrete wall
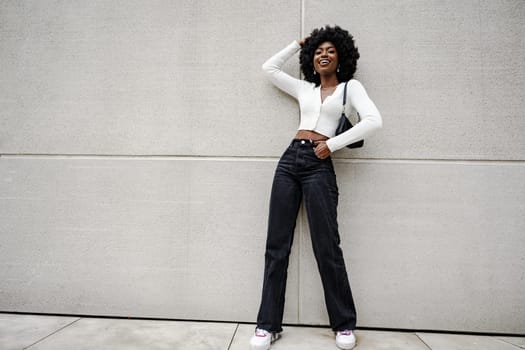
x=138, y=142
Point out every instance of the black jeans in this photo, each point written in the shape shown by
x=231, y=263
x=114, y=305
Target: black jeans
x=301, y=174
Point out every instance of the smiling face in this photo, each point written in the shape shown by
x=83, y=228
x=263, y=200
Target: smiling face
x=325, y=59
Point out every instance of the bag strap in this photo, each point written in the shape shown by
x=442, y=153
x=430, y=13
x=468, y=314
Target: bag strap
x=344, y=102
x=344, y=96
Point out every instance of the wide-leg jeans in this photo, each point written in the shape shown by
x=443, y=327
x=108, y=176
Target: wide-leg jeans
x=301, y=175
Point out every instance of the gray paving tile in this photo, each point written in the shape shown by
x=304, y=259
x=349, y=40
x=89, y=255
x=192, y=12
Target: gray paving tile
x=377, y=340
x=116, y=334
x=518, y=341
x=464, y=342
x=306, y=338
x=293, y=338
x=20, y=331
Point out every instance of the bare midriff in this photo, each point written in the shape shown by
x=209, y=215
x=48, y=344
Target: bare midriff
x=310, y=135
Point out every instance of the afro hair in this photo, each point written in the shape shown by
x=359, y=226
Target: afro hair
x=346, y=51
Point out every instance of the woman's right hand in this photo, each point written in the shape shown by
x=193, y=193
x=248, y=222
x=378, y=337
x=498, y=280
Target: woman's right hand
x=301, y=42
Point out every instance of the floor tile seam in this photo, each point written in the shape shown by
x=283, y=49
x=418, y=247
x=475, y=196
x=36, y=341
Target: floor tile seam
x=424, y=342
x=233, y=337
x=506, y=342
x=53, y=333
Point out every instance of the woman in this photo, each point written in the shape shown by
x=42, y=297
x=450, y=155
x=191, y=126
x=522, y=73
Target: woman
x=328, y=59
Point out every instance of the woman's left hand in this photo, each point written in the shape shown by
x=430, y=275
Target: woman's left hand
x=321, y=150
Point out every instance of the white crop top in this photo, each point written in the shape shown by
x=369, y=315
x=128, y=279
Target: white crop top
x=323, y=117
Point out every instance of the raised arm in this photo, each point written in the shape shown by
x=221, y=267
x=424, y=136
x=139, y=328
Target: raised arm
x=273, y=69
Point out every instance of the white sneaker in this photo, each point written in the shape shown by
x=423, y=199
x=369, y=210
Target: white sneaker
x=345, y=339
x=262, y=339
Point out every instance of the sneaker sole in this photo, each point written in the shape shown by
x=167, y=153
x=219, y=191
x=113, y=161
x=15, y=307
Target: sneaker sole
x=348, y=347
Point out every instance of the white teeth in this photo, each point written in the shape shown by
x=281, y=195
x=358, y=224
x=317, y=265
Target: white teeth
x=324, y=61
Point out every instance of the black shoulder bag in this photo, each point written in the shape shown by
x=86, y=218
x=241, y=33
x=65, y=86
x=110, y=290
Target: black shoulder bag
x=344, y=124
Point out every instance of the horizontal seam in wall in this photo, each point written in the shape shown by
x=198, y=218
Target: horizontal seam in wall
x=261, y=158
x=433, y=161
